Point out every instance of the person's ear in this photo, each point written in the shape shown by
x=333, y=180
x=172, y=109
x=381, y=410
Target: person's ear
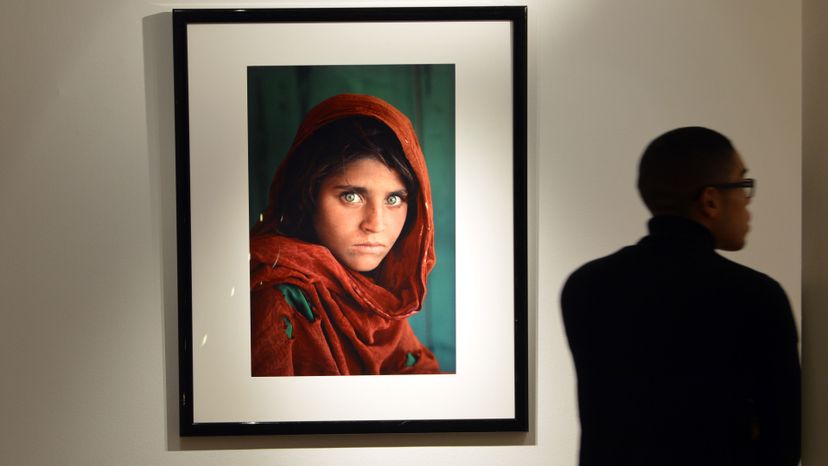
x=710, y=202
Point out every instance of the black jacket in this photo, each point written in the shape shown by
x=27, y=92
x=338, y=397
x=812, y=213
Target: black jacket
x=683, y=357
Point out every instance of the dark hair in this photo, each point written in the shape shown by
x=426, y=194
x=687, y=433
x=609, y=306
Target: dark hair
x=677, y=165
x=327, y=152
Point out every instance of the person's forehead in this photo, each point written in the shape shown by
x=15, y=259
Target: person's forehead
x=738, y=163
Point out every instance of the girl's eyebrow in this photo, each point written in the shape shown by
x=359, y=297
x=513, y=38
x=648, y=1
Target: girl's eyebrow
x=350, y=187
x=363, y=190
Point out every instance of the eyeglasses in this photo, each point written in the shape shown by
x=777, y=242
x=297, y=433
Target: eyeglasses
x=748, y=186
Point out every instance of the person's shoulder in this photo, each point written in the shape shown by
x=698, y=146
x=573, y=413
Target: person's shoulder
x=267, y=240
x=594, y=282
x=756, y=290
x=610, y=262
x=599, y=271
x=263, y=246
x=740, y=273
x=762, y=298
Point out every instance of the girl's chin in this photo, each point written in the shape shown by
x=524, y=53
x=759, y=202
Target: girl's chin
x=363, y=265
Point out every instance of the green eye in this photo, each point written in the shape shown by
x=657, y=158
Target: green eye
x=350, y=197
x=393, y=200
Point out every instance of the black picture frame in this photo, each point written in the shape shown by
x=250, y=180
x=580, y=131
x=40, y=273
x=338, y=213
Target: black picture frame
x=516, y=281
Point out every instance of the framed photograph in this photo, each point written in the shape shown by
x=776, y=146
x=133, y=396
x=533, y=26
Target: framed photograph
x=352, y=220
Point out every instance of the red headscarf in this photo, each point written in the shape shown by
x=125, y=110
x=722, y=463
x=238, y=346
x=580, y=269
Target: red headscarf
x=359, y=323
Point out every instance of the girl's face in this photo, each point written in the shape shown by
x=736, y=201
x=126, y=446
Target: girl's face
x=360, y=213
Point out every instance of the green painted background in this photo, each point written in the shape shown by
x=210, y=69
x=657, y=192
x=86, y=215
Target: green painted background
x=280, y=96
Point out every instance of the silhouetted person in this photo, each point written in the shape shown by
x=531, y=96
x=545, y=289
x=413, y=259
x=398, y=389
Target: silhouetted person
x=684, y=357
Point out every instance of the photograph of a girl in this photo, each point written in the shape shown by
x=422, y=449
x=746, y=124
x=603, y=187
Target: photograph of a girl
x=341, y=255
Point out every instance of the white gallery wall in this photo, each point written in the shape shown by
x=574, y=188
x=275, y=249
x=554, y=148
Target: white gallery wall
x=87, y=204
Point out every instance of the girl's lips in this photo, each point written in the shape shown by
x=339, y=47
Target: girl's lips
x=370, y=247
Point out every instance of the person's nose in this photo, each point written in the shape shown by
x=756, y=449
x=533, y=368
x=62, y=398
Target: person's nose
x=373, y=221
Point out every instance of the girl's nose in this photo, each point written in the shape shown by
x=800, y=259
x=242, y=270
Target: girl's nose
x=373, y=221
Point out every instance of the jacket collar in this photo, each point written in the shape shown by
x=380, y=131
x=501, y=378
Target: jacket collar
x=668, y=229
